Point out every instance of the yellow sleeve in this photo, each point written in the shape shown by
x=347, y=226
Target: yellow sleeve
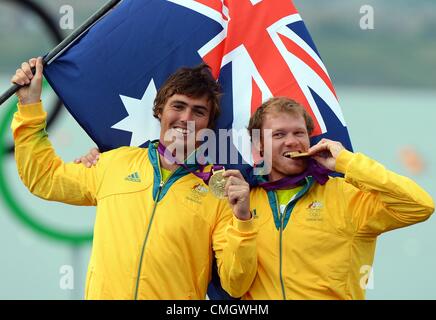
x=380, y=200
x=234, y=244
x=41, y=170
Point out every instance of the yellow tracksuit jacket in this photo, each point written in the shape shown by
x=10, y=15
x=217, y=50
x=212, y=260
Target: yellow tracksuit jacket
x=323, y=244
x=152, y=240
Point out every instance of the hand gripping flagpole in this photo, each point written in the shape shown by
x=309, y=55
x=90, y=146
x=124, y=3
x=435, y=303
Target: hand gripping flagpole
x=68, y=41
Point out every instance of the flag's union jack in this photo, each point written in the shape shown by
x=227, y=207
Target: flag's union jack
x=256, y=48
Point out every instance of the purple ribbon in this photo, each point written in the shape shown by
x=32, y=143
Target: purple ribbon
x=205, y=176
x=314, y=169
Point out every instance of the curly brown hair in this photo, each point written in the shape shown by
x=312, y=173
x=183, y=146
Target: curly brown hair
x=193, y=82
x=279, y=104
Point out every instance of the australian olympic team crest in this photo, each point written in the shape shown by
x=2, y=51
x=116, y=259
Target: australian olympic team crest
x=314, y=211
x=198, y=192
x=200, y=189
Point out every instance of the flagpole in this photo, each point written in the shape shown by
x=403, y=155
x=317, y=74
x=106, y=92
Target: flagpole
x=65, y=44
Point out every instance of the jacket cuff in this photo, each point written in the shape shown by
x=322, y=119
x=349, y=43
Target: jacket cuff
x=30, y=110
x=243, y=225
x=343, y=160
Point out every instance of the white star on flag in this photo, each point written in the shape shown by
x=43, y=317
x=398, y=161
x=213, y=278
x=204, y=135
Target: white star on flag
x=140, y=121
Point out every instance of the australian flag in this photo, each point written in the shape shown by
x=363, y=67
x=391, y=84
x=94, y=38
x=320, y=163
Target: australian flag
x=257, y=49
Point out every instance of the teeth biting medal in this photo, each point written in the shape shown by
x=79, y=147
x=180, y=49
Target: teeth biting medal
x=296, y=154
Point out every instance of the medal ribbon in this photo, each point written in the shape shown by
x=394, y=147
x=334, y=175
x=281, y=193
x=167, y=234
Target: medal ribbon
x=205, y=176
x=314, y=169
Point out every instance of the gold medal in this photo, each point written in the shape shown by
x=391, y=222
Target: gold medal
x=217, y=184
x=296, y=154
x=299, y=155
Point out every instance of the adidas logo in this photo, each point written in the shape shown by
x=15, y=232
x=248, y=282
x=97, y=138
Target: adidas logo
x=134, y=177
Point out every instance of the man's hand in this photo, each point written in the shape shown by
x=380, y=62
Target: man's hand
x=237, y=191
x=325, y=152
x=89, y=159
x=31, y=92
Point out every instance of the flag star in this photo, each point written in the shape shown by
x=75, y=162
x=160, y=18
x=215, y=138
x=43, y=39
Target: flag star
x=140, y=121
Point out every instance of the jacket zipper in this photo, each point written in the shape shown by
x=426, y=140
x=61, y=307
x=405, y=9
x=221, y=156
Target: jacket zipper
x=281, y=246
x=145, y=241
x=282, y=215
x=156, y=200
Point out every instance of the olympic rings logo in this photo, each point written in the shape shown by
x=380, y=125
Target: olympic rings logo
x=14, y=206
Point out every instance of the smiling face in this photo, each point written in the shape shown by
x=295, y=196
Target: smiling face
x=289, y=133
x=176, y=113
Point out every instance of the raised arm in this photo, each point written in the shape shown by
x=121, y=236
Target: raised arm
x=377, y=199
x=40, y=169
